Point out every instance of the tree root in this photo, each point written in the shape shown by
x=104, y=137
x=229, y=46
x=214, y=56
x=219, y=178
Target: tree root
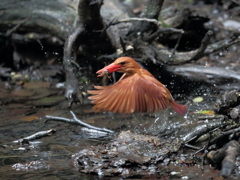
x=226, y=156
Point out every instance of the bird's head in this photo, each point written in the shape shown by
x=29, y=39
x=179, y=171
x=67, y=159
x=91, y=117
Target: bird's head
x=123, y=64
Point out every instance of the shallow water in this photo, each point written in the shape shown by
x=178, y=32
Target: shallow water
x=49, y=157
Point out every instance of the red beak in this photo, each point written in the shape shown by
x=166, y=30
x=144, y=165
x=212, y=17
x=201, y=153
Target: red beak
x=108, y=69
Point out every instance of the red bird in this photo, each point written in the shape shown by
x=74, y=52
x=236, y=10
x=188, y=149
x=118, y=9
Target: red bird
x=136, y=91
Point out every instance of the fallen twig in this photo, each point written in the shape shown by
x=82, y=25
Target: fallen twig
x=75, y=120
x=35, y=136
x=223, y=135
x=200, y=130
x=192, y=147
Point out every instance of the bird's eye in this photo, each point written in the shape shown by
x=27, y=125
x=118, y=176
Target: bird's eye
x=122, y=63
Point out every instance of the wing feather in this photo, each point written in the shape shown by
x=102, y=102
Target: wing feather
x=139, y=93
x=126, y=104
x=154, y=105
x=142, y=107
x=152, y=95
x=150, y=104
x=108, y=99
x=117, y=102
x=101, y=99
x=103, y=95
x=120, y=106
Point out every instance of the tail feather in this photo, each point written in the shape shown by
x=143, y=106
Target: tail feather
x=180, y=109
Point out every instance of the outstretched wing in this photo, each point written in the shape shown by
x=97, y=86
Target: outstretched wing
x=136, y=93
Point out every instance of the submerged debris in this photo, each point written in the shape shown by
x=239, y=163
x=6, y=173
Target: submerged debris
x=226, y=156
x=127, y=155
x=228, y=104
x=33, y=165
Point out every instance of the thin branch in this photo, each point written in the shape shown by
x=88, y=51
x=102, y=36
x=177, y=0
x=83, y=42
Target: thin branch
x=202, y=159
x=224, y=134
x=75, y=120
x=36, y=136
x=76, y=64
x=192, y=147
x=235, y=39
x=112, y=23
x=15, y=28
x=177, y=44
x=200, y=149
x=123, y=44
x=202, y=129
x=160, y=31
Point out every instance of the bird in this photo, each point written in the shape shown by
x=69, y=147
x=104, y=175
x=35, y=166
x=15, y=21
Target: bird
x=136, y=91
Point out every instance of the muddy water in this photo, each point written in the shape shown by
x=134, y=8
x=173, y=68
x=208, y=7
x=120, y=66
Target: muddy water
x=22, y=114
